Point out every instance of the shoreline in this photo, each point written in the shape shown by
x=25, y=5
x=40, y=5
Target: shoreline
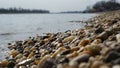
x=88, y=47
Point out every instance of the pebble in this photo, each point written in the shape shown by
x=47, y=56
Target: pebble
x=99, y=30
x=103, y=36
x=79, y=59
x=33, y=66
x=66, y=52
x=43, y=59
x=112, y=55
x=68, y=39
x=84, y=65
x=14, y=53
x=118, y=37
x=92, y=49
x=84, y=42
x=104, y=66
x=116, y=66
x=25, y=62
x=96, y=64
x=4, y=63
x=51, y=63
x=11, y=63
x=96, y=42
x=117, y=61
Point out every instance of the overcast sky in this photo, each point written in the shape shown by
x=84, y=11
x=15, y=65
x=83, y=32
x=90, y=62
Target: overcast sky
x=52, y=5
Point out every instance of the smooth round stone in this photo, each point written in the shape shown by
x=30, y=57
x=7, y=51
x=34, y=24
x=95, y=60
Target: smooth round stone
x=96, y=64
x=33, y=66
x=51, y=63
x=92, y=49
x=111, y=56
x=118, y=37
x=103, y=36
x=4, y=63
x=19, y=56
x=68, y=39
x=22, y=66
x=117, y=61
x=84, y=42
x=59, y=66
x=79, y=59
x=14, y=53
x=99, y=30
x=84, y=65
x=91, y=59
x=116, y=66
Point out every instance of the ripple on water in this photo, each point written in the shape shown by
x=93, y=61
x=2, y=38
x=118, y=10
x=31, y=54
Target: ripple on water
x=3, y=51
x=6, y=33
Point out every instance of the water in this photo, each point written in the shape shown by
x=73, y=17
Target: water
x=21, y=26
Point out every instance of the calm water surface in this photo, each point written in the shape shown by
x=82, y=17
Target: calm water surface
x=21, y=26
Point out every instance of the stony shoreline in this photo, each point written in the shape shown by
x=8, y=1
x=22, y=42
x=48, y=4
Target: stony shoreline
x=97, y=45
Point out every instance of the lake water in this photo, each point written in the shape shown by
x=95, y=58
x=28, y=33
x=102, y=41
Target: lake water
x=21, y=26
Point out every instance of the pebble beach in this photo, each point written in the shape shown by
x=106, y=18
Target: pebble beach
x=96, y=45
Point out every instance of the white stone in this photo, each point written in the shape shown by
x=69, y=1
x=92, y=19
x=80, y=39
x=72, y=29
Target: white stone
x=118, y=37
x=116, y=66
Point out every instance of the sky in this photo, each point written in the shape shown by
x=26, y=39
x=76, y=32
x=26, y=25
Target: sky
x=52, y=5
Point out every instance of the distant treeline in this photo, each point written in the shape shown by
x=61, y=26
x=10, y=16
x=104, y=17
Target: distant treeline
x=103, y=6
x=72, y=12
x=21, y=10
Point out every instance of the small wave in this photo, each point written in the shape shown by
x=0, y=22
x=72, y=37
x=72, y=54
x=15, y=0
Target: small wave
x=39, y=28
x=6, y=33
